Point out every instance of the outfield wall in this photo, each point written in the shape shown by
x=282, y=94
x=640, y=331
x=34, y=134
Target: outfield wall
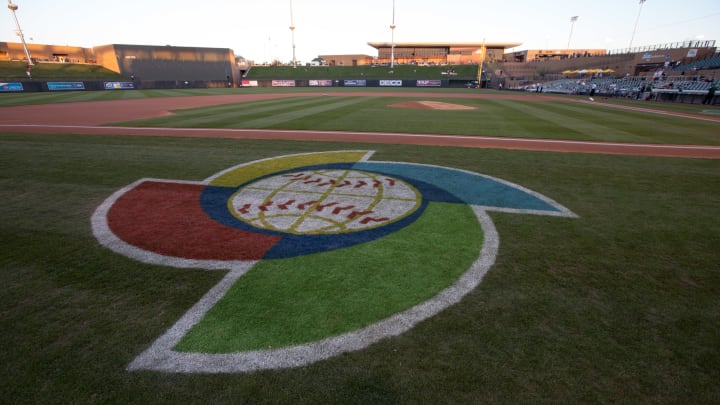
x=43, y=86
x=33, y=86
x=355, y=83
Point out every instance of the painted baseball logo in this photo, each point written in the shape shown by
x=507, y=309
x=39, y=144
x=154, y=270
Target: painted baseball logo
x=307, y=242
x=324, y=202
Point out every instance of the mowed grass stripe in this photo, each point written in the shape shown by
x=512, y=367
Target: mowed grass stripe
x=241, y=115
x=644, y=127
x=277, y=119
x=220, y=116
x=84, y=96
x=380, y=114
x=17, y=99
x=34, y=98
x=569, y=123
x=347, y=117
x=233, y=115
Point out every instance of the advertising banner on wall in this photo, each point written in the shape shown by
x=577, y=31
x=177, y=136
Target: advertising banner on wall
x=283, y=83
x=320, y=83
x=11, y=86
x=60, y=86
x=429, y=83
x=354, y=83
x=249, y=83
x=391, y=83
x=119, y=85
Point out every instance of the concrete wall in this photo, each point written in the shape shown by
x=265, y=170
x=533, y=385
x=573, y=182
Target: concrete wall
x=169, y=62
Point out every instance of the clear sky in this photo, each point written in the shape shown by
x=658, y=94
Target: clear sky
x=259, y=29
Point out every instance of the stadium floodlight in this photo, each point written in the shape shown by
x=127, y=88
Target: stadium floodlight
x=632, y=37
x=392, y=45
x=572, y=24
x=13, y=7
x=292, y=30
x=483, y=52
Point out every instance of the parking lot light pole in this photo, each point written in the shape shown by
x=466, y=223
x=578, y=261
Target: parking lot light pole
x=632, y=37
x=13, y=7
x=392, y=45
x=292, y=30
x=573, y=19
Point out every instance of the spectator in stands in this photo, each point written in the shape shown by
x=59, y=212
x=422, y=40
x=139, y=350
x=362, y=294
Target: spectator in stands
x=641, y=91
x=710, y=94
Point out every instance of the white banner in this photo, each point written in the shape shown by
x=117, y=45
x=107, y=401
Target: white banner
x=391, y=83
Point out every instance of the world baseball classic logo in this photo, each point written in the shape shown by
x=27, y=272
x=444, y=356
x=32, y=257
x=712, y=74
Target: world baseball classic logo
x=324, y=253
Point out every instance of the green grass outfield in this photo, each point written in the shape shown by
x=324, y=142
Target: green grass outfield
x=527, y=118
x=619, y=305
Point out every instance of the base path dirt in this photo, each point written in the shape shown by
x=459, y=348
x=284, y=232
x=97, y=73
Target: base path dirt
x=89, y=118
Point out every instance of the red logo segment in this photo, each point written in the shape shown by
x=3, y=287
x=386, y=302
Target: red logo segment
x=166, y=218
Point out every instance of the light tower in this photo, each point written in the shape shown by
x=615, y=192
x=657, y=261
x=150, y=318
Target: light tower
x=392, y=46
x=292, y=30
x=572, y=25
x=483, y=51
x=13, y=8
x=632, y=37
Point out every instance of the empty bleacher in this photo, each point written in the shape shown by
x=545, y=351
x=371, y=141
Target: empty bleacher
x=706, y=64
x=675, y=88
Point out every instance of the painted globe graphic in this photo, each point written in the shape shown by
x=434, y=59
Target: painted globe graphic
x=327, y=202
x=334, y=226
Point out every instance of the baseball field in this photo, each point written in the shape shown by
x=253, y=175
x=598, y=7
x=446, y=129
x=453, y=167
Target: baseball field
x=266, y=246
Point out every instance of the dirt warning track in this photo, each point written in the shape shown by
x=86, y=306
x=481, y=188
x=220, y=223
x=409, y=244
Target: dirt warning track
x=89, y=118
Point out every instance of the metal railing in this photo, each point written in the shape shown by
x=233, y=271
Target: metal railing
x=672, y=45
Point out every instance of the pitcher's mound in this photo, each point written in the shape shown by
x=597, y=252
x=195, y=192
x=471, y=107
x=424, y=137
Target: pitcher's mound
x=432, y=105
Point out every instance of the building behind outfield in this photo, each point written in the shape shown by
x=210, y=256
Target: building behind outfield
x=169, y=63
x=441, y=53
x=425, y=53
x=47, y=53
x=151, y=66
